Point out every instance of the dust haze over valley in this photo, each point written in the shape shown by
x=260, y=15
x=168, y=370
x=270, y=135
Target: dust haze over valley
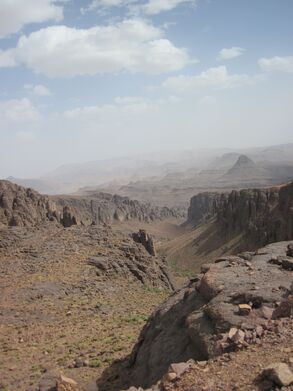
x=146, y=195
x=170, y=179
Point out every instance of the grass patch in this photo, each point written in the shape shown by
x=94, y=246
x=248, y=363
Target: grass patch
x=95, y=363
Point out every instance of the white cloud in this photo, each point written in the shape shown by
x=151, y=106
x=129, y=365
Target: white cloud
x=281, y=64
x=14, y=14
x=229, y=53
x=107, y=3
x=132, y=45
x=153, y=7
x=18, y=111
x=39, y=89
x=215, y=78
x=97, y=4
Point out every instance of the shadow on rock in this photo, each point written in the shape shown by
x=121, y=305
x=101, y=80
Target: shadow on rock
x=116, y=376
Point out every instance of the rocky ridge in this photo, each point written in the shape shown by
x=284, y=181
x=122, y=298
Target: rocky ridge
x=106, y=208
x=20, y=206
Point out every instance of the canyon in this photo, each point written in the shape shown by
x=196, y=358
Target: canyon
x=112, y=292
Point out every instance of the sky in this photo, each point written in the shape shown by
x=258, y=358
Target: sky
x=84, y=80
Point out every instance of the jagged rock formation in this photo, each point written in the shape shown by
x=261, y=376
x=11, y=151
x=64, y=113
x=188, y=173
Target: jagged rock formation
x=135, y=262
x=146, y=240
x=105, y=208
x=260, y=216
x=134, y=259
x=67, y=219
x=25, y=207
x=224, y=305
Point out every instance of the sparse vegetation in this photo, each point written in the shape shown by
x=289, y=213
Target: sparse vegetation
x=95, y=363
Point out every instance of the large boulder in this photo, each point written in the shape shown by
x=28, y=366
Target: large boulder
x=205, y=318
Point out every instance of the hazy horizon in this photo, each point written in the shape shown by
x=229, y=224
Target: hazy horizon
x=160, y=157
x=88, y=80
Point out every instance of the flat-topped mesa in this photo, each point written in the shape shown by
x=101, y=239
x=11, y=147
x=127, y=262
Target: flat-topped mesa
x=260, y=216
x=20, y=206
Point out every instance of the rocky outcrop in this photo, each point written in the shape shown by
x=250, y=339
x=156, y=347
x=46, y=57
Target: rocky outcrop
x=135, y=261
x=204, y=206
x=25, y=207
x=146, y=240
x=260, y=216
x=67, y=219
x=230, y=304
x=104, y=208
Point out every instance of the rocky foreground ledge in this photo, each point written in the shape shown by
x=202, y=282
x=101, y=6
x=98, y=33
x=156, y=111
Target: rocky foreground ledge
x=233, y=304
x=229, y=328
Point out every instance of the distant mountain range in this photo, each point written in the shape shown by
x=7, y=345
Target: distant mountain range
x=171, y=178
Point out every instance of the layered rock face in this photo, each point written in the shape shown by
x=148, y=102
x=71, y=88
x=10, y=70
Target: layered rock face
x=25, y=207
x=203, y=206
x=261, y=216
x=230, y=302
